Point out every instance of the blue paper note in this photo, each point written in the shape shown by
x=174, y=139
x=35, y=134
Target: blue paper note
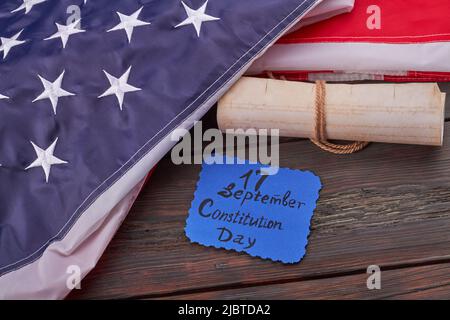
x=237, y=208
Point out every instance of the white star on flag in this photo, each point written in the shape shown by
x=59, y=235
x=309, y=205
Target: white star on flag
x=119, y=86
x=128, y=23
x=53, y=91
x=9, y=43
x=196, y=17
x=45, y=159
x=3, y=97
x=27, y=5
x=64, y=32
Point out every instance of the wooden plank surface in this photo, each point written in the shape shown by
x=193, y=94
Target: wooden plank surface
x=388, y=205
x=445, y=87
x=424, y=282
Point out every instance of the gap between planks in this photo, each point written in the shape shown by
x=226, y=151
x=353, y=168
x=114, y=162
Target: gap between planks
x=429, y=281
x=199, y=292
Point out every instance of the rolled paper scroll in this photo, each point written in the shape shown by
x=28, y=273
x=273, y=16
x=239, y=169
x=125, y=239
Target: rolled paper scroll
x=393, y=113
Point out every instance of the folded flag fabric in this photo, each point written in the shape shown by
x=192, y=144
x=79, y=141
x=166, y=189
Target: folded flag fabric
x=325, y=10
x=404, y=40
x=87, y=106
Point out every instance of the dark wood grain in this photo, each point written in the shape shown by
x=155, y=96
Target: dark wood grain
x=388, y=205
x=424, y=282
x=445, y=87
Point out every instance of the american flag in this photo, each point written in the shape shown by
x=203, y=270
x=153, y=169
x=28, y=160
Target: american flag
x=386, y=40
x=89, y=94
